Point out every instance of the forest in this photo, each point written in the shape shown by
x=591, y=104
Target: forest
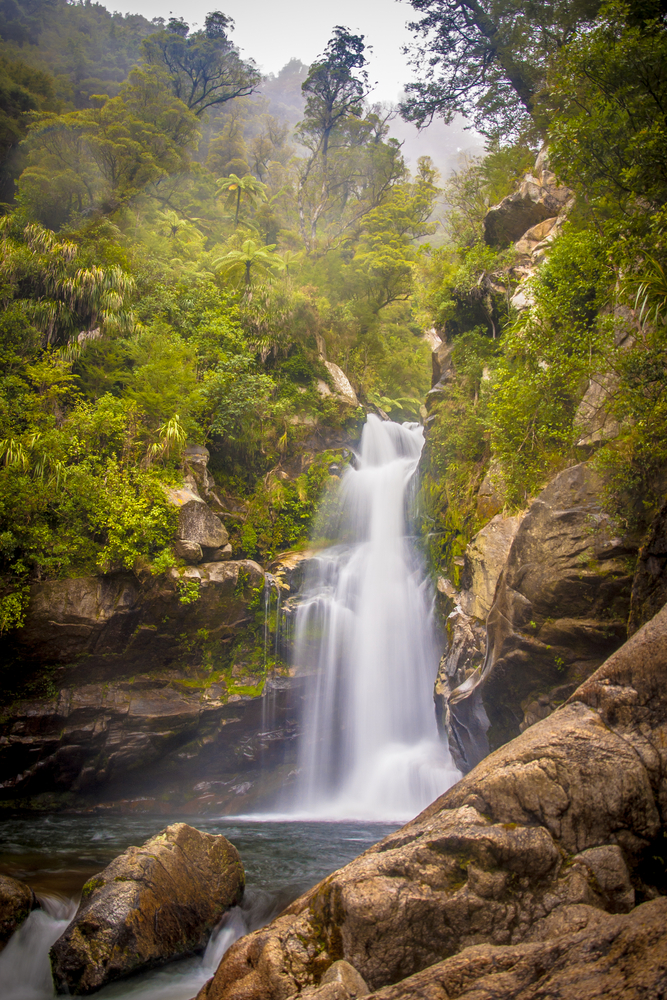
x=184, y=243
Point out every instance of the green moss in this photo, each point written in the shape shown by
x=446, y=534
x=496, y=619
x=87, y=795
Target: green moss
x=91, y=885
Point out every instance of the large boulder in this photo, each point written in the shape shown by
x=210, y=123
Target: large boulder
x=560, y=607
x=524, y=213
x=615, y=957
x=16, y=901
x=566, y=819
x=199, y=529
x=152, y=904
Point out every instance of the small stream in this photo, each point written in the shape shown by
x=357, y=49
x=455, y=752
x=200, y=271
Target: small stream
x=55, y=855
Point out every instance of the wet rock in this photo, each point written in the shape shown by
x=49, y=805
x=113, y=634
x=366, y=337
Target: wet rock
x=618, y=958
x=152, y=904
x=560, y=608
x=129, y=687
x=649, y=587
x=508, y=859
x=16, y=901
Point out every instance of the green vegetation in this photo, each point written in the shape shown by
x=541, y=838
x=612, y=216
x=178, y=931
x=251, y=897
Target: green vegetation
x=180, y=254
x=595, y=319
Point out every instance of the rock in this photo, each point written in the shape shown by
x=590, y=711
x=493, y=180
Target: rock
x=197, y=524
x=594, y=420
x=129, y=681
x=536, y=202
x=152, y=904
x=507, y=860
x=485, y=557
x=190, y=552
x=491, y=493
x=560, y=608
x=342, y=387
x=341, y=981
x=219, y=555
x=618, y=958
x=16, y=901
x=649, y=587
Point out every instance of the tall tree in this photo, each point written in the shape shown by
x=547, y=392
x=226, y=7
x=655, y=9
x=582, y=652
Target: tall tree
x=333, y=127
x=488, y=59
x=205, y=68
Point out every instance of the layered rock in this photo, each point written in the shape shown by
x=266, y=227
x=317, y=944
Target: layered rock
x=618, y=958
x=152, y=904
x=16, y=901
x=139, y=680
x=536, y=846
x=560, y=607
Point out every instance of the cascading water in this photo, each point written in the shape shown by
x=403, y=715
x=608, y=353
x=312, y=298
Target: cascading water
x=365, y=636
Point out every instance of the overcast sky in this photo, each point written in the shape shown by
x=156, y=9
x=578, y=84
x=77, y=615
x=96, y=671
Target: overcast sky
x=273, y=31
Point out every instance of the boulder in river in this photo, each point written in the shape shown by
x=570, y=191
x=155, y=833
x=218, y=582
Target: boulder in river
x=152, y=904
x=16, y=901
x=545, y=842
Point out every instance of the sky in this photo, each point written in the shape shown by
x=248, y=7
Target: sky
x=273, y=31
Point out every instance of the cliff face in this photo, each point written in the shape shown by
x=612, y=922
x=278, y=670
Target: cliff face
x=146, y=689
x=538, y=597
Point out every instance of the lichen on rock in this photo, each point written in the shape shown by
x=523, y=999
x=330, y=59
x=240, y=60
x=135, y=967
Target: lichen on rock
x=152, y=904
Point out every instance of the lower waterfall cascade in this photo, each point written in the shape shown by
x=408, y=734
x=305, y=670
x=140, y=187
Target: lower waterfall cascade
x=365, y=638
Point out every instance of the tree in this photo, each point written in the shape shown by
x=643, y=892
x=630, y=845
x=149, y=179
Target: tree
x=609, y=132
x=41, y=275
x=204, y=69
x=335, y=89
x=488, y=59
x=236, y=188
x=103, y=157
x=248, y=258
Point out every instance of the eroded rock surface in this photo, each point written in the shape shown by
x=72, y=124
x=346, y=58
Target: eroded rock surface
x=128, y=685
x=16, y=901
x=533, y=206
x=503, y=857
x=560, y=607
x=152, y=904
x=618, y=958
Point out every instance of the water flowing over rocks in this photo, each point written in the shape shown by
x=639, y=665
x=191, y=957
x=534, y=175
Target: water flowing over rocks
x=16, y=901
x=522, y=861
x=152, y=904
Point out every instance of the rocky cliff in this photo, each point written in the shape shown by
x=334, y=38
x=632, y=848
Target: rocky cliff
x=543, y=869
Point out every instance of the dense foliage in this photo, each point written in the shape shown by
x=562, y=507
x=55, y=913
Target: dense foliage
x=183, y=246
x=592, y=333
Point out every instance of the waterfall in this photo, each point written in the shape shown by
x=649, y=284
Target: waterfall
x=365, y=640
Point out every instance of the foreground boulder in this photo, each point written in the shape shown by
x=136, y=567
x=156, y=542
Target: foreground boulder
x=618, y=958
x=570, y=815
x=16, y=901
x=152, y=904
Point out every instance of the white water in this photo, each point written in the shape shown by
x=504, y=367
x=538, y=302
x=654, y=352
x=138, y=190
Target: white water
x=364, y=633
x=25, y=969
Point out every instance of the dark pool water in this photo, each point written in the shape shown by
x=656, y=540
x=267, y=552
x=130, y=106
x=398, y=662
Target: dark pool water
x=57, y=854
